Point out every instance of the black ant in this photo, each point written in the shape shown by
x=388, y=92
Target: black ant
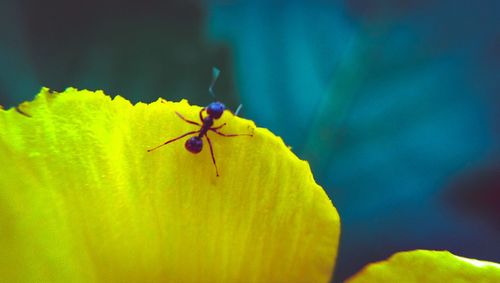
x=214, y=111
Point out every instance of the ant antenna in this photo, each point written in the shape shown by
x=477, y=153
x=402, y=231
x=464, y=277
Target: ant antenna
x=215, y=75
x=238, y=110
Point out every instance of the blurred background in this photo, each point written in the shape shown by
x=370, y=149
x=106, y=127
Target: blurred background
x=395, y=103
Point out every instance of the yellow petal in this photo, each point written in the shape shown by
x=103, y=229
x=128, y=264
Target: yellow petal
x=425, y=266
x=81, y=199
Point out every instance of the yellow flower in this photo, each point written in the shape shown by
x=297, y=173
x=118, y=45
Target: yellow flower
x=429, y=266
x=81, y=199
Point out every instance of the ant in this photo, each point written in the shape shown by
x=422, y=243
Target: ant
x=213, y=111
x=18, y=109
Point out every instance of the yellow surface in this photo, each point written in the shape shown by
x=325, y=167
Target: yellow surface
x=81, y=200
x=425, y=266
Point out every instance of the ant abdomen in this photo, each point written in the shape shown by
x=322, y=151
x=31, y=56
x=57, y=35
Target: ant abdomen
x=194, y=144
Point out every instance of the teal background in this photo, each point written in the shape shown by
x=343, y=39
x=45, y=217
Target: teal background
x=395, y=104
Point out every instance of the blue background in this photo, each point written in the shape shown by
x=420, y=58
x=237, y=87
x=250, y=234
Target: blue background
x=395, y=104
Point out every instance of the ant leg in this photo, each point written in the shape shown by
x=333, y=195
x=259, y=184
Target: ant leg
x=229, y=135
x=212, y=153
x=218, y=127
x=201, y=116
x=188, y=121
x=172, y=140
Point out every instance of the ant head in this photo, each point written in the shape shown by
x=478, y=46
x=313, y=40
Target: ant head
x=215, y=109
